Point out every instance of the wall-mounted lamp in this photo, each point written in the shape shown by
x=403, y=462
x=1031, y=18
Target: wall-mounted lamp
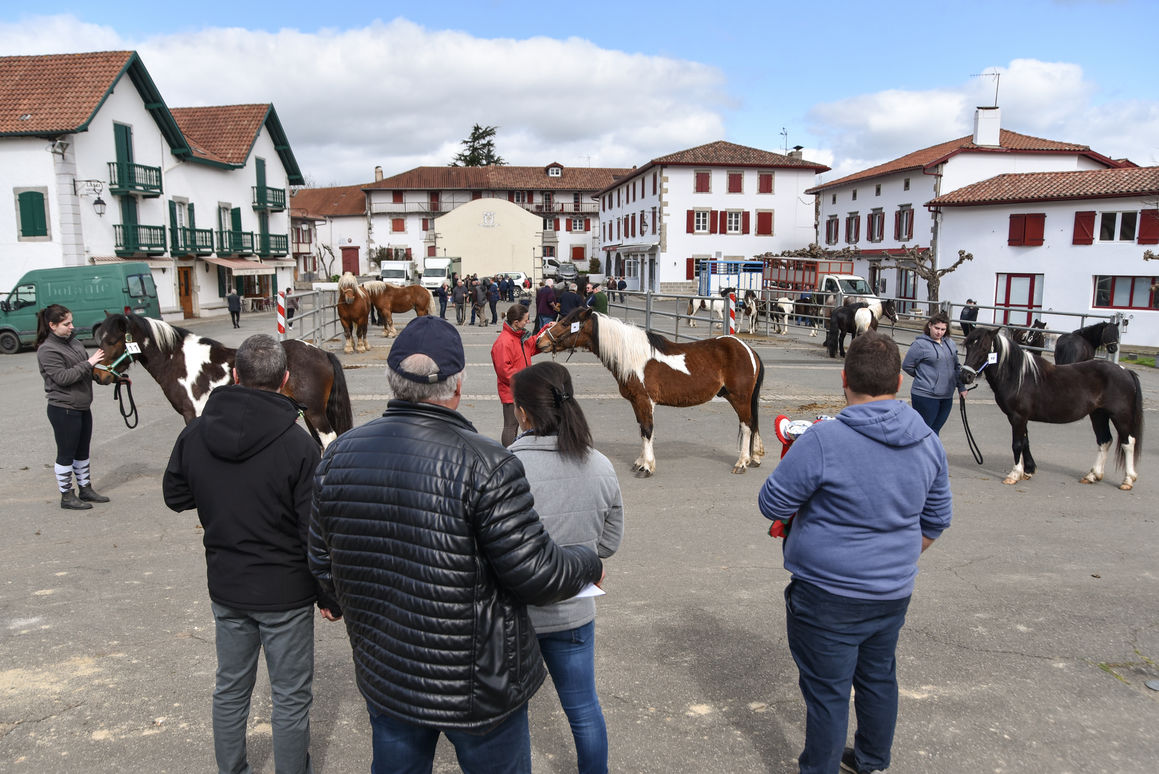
x=91, y=188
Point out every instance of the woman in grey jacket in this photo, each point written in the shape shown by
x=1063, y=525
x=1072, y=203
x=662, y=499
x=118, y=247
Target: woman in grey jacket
x=577, y=495
x=932, y=360
x=68, y=383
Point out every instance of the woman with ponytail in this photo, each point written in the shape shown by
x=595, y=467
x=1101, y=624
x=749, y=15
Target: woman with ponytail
x=68, y=382
x=577, y=495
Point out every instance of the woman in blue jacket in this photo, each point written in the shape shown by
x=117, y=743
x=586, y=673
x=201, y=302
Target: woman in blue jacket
x=932, y=361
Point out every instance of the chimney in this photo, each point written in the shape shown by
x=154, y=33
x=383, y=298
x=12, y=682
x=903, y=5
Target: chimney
x=795, y=153
x=987, y=126
x=378, y=174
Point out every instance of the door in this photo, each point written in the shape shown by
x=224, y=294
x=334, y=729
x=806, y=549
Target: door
x=185, y=290
x=129, y=224
x=350, y=259
x=907, y=291
x=1021, y=295
x=123, y=141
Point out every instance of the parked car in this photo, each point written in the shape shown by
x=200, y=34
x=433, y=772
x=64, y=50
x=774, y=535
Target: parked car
x=567, y=272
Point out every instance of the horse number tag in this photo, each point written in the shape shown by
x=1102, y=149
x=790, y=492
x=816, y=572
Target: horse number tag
x=575, y=326
x=992, y=358
x=132, y=348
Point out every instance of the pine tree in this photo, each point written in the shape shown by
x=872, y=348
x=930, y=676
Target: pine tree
x=478, y=149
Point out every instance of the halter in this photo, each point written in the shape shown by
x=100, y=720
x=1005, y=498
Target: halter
x=992, y=357
x=555, y=342
x=131, y=348
x=129, y=414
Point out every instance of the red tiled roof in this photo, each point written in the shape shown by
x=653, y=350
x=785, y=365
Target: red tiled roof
x=1048, y=186
x=56, y=94
x=224, y=133
x=500, y=178
x=927, y=157
x=333, y=202
x=722, y=154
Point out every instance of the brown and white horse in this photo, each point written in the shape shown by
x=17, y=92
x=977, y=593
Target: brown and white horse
x=388, y=299
x=652, y=370
x=353, y=312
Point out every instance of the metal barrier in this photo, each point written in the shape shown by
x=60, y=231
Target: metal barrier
x=1050, y=332
x=316, y=319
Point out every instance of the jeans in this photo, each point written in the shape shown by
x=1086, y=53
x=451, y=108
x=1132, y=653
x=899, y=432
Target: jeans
x=838, y=642
x=443, y=308
x=934, y=411
x=544, y=319
x=406, y=748
x=288, y=639
x=570, y=656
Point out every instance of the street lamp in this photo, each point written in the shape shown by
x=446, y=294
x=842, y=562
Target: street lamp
x=91, y=188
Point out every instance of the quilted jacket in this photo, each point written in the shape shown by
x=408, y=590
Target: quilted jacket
x=425, y=532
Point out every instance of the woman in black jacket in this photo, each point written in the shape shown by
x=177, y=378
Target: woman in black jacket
x=68, y=385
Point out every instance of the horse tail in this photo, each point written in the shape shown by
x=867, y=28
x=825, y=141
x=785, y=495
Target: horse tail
x=1136, y=423
x=755, y=402
x=338, y=410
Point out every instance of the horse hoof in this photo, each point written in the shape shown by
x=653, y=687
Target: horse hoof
x=756, y=463
x=1010, y=481
x=738, y=469
x=1087, y=480
x=643, y=473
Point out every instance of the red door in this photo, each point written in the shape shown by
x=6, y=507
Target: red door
x=1021, y=294
x=350, y=258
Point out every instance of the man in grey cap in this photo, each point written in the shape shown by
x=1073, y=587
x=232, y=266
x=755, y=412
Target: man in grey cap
x=424, y=531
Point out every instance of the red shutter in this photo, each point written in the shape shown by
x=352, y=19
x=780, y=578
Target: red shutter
x=691, y=221
x=587, y=224
x=556, y=224
x=431, y=251
x=712, y=221
x=1035, y=228
x=510, y=196
x=653, y=183
x=530, y=198
x=744, y=223
x=1017, y=235
x=425, y=226
x=567, y=223
x=1084, y=229
x=897, y=226
x=857, y=229
x=689, y=269
x=408, y=255
x=1148, y=227
x=396, y=197
x=765, y=225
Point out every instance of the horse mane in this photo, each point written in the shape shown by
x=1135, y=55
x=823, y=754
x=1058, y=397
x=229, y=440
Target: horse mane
x=1095, y=333
x=372, y=288
x=349, y=282
x=167, y=337
x=1014, y=362
x=623, y=348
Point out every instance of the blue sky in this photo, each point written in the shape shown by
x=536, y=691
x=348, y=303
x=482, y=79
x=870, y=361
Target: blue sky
x=616, y=84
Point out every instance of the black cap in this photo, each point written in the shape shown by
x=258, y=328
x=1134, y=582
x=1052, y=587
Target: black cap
x=431, y=336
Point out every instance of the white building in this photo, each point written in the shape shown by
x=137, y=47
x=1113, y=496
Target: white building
x=880, y=210
x=719, y=201
x=1072, y=241
x=330, y=231
x=198, y=193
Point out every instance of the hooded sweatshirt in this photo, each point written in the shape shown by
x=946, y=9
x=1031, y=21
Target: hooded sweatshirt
x=934, y=367
x=866, y=488
x=248, y=468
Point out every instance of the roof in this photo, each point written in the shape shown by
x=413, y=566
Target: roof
x=225, y=134
x=500, y=178
x=1009, y=142
x=729, y=154
x=328, y=202
x=1055, y=186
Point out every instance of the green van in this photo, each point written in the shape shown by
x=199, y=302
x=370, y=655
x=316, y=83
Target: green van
x=88, y=292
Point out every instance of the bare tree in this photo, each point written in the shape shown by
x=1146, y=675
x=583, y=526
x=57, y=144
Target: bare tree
x=920, y=261
x=321, y=252
x=817, y=253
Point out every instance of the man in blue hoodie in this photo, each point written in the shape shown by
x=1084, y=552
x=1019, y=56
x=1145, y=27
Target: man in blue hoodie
x=870, y=492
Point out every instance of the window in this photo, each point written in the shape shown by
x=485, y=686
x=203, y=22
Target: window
x=397, y=225
x=520, y=197
x=547, y=200
x=554, y=172
x=703, y=182
x=653, y=183
x=905, y=184
x=854, y=194
x=576, y=201
x=434, y=200
x=877, y=190
x=549, y=251
x=426, y=224
x=852, y=227
x=396, y=197
x=700, y=221
x=875, y=226
x=735, y=182
x=832, y=229
x=1026, y=230
x=834, y=199
x=732, y=223
x=1117, y=226
x=764, y=222
x=903, y=223
x=32, y=214
x=1126, y=292
x=765, y=182
x=549, y=224
x=653, y=220
x=577, y=224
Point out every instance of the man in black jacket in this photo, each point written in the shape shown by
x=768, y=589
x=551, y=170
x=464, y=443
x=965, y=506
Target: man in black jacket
x=247, y=467
x=425, y=532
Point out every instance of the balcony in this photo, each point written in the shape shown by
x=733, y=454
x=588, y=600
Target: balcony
x=235, y=243
x=273, y=245
x=191, y=241
x=126, y=178
x=139, y=240
x=557, y=208
x=269, y=199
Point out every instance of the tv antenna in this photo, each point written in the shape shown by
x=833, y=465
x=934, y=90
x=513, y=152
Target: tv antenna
x=785, y=137
x=997, y=76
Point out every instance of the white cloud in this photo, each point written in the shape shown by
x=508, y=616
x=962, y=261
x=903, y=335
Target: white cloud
x=396, y=94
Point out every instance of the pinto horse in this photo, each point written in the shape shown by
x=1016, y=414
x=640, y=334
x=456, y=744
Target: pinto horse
x=189, y=367
x=842, y=321
x=782, y=311
x=1081, y=344
x=388, y=299
x=650, y=369
x=717, y=308
x=1028, y=388
x=353, y=312
x=750, y=310
x=1033, y=336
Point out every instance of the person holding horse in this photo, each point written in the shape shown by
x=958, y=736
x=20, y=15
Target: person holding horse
x=853, y=562
x=68, y=384
x=578, y=497
x=546, y=305
x=511, y=353
x=932, y=360
x=427, y=532
x=247, y=467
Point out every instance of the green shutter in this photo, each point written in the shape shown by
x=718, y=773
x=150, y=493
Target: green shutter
x=33, y=222
x=173, y=232
x=189, y=215
x=221, y=291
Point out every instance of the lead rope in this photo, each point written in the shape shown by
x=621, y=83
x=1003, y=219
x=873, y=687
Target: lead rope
x=131, y=414
x=969, y=436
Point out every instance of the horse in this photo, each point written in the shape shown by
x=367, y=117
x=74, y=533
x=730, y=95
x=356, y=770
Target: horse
x=750, y=310
x=1028, y=388
x=811, y=310
x=188, y=367
x=652, y=370
x=1033, y=336
x=717, y=308
x=388, y=299
x=353, y=312
x=879, y=307
x=782, y=309
x=1081, y=343
x=842, y=320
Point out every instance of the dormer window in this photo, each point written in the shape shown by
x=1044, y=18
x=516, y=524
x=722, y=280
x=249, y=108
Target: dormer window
x=555, y=172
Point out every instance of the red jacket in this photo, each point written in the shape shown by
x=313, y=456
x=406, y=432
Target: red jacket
x=510, y=354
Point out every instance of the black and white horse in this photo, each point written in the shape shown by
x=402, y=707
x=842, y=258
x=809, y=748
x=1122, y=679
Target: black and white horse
x=782, y=310
x=750, y=310
x=717, y=308
x=1082, y=343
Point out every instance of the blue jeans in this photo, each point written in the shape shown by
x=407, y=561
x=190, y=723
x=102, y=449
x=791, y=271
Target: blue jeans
x=288, y=639
x=934, y=411
x=406, y=748
x=840, y=642
x=570, y=656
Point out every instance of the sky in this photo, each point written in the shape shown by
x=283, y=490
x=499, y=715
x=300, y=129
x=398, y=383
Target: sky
x=616, y=84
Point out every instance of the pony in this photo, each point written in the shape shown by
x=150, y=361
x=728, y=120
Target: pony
x=652, y=370
x=353, y=312
x=750, y=310
x=782, y=310
x=188, y=367
x=1081, y=343
x=811, y=310
x=388, y=299
x=1033, y=336
x=842, y=320
x=717, y=307
x=1028, y=388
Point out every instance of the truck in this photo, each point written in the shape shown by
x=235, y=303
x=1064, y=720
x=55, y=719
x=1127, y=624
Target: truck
x=398, y=272
x=438, y=269
x=796, y=276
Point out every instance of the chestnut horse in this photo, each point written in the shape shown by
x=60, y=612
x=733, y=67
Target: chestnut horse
x=188, y=367
x=353, y=312
x=650, y=369
x=388, y=299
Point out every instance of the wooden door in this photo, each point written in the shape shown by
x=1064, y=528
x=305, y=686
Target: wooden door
x=185, y=290
x=350, y=259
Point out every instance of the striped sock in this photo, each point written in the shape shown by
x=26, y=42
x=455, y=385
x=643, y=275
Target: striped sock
x=81, y=468
x=63, y=477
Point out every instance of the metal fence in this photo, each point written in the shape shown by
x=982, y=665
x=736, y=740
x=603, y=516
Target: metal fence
x=316, y=320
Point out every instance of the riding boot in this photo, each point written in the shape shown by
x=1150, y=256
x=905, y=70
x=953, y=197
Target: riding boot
x=90, y=495
x=70, y=502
